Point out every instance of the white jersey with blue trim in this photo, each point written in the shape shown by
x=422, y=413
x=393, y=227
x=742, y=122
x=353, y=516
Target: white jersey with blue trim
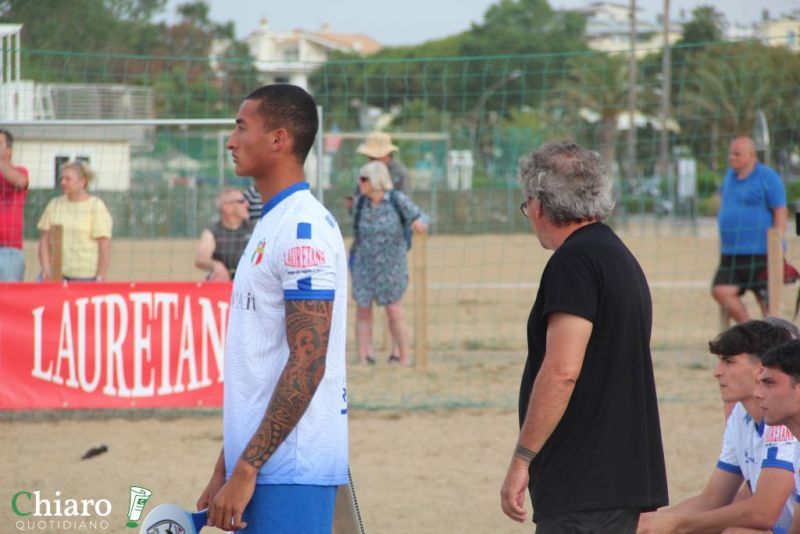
x=296, y=252
x=797, y=473
x=748, y=447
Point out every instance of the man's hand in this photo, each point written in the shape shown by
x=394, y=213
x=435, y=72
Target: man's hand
x=230, y=501
x=9, y=173
x=512, y=494
x=212, y=488
x=219, y=273
x=419, y=226
x=659, y=523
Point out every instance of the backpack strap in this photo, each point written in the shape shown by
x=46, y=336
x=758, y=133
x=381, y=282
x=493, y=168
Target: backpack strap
x=362, y=199
x=407, y=233
x=396, y=205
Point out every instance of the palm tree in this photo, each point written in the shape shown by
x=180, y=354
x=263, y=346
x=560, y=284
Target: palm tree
x=597, y=83
x=722, y=88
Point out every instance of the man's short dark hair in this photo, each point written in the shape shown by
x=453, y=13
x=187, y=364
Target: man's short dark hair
x=9, y=137
x=752, y=337
x=291, y=107
x=785, y=357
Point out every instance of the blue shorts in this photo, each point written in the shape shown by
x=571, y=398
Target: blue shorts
x=12, y=265
x=299, y=509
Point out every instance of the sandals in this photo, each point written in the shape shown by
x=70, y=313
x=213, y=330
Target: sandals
x=369, y=360
x=394, y=359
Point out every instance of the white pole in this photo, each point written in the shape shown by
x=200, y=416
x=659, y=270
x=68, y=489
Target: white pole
x=320, y=154
x=221, y=160
x=666, y=83
x=630, y=155
x=3, y=60
x=19, y=53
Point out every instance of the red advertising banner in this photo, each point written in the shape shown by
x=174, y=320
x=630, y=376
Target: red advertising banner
x=112, y=345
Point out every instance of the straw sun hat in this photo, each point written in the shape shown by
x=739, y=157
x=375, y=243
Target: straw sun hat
x=377, y=145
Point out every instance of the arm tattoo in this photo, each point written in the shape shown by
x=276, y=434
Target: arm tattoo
x=308, y=325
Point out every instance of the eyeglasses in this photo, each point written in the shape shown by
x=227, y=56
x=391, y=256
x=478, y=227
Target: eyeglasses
x=363, y=179
x=524, y=206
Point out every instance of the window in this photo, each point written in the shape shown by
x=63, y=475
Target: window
x=61, y=159
x=291, y=53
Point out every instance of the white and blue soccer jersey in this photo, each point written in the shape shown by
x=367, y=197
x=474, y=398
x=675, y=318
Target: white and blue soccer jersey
x=797, y=472
x=296, y=252
x=749, y=447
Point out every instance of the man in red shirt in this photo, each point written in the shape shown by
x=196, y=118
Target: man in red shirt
x=13, y=190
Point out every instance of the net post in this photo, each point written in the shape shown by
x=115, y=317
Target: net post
x=774, y=271
x=420, y=301
x=56, y=248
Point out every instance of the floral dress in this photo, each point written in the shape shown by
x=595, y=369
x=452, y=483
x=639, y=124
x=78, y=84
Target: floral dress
x=379, y=267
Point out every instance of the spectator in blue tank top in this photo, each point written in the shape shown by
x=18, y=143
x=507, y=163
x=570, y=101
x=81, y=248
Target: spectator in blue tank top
x=223, y=241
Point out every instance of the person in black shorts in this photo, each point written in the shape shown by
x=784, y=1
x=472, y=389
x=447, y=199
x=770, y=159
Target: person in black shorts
x=589, y=448
x=752, y=200
x=744, y=272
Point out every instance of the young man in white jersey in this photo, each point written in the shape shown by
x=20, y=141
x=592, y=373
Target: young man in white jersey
x=285, y=401
x=752, y=451
x=778, y=391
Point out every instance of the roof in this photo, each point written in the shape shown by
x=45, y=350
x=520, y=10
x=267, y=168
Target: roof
x=358, y=42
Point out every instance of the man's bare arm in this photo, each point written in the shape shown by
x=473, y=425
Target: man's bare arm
x=308, y=325
x=13, y=176
x=567, y=339
x=779, y=218
x=758, y=512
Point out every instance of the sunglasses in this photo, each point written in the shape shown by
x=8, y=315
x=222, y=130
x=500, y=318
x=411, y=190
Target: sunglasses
x=363, y=179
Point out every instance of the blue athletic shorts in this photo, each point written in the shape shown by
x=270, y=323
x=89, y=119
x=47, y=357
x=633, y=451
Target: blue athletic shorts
x=278, y=508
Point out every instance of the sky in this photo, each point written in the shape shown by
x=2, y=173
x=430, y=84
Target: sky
x=410, y=22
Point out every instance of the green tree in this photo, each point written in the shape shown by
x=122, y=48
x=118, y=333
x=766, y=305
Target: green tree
x=596, y=84
x=724, y=86
x=80, y=25
x=462, y=71
x=524, y=27
x=706, y=25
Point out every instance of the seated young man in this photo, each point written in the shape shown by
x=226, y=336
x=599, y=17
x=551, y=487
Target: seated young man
x=778, y=391
x=752, y=451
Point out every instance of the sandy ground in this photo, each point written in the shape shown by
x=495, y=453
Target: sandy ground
x=416, y=471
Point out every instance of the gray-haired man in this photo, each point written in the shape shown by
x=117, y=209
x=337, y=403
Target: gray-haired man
x=589, y=448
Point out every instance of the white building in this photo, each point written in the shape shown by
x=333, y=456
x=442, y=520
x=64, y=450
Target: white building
x=783, y=31
x=290, y=56
x=35, y=113
x=608, y=29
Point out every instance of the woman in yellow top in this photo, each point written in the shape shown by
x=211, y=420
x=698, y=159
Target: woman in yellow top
x=86, y=222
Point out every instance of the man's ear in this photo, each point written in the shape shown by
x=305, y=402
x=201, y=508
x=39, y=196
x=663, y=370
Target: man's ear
x=280, y=140
x=538, y=211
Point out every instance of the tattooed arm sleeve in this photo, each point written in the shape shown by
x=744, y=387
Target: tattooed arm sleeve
x=308, y=325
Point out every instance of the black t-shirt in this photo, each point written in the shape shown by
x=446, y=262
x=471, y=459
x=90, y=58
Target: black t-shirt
x=606, y=451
